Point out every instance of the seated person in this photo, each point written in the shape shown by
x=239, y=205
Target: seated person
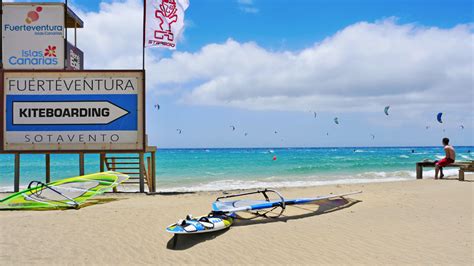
x=447, y=160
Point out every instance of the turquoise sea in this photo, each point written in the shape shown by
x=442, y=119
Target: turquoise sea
x=222, y=169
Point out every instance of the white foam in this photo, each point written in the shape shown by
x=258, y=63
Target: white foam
x=240, y=184
x=466, y=157
x=6, y=188
x=280, y=181
x=286, y=181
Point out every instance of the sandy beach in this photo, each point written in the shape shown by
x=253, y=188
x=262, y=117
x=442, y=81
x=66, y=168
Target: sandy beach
x=409, y=222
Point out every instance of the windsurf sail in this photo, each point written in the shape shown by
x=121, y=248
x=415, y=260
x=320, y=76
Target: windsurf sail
x=221, y=205
x=62, y=194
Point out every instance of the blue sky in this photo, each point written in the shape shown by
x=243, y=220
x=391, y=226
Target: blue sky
x=297, y=24
x=345, y=59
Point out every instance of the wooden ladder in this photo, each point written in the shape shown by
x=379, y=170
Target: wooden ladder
x=130, y=165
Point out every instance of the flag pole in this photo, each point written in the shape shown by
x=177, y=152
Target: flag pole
x=143, y=43
x=65, y=34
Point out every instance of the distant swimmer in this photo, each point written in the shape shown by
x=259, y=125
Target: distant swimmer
x=412, y=151
x=447, y=160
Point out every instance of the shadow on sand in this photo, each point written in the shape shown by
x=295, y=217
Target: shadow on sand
x=455, y=179
x=326, y=206
x=92, y=202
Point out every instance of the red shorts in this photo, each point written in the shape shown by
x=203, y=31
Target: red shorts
x=444, y=162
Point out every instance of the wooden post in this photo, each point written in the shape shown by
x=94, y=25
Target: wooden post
x=461, y=174
x=81, y=163
x=113, y=169
x=419, y=171
x=101, y=161
x=148, y=174
x=113, y=164
x=48, y=167
x=153, y=171
x=16, y=185
x=141, y=176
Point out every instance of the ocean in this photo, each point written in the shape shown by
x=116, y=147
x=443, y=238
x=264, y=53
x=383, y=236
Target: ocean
x=183, y=170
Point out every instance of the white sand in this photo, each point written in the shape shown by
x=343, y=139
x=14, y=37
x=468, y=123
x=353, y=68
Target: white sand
x=420, y=222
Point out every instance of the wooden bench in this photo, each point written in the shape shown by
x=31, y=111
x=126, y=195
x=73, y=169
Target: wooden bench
x=463, y=167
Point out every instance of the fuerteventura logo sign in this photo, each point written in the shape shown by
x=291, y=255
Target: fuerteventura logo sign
x=33, y=36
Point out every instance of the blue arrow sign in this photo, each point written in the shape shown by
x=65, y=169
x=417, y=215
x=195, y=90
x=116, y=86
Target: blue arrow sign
x=93, y=112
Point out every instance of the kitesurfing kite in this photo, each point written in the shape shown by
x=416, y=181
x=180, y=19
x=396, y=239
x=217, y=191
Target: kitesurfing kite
x=233, y=128
x=336, y=120
x=224, y=211
x=246, y=134
x=179, y=131
x=62, y=194
x=386, y=109
x=157, y=106
x=373, y=136
x=461, y=126
x=439, y=117
x=276, y=132
x=427, y=127
x=315, y=114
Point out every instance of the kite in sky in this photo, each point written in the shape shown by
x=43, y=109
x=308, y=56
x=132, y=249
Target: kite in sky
x=439, y=117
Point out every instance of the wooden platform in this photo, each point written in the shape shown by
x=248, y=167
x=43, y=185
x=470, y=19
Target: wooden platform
x=145, y=171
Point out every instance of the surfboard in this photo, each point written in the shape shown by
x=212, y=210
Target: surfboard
x=202, y=224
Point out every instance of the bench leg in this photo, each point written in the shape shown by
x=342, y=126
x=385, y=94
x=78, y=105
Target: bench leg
x=461, y=175
x=419, y=172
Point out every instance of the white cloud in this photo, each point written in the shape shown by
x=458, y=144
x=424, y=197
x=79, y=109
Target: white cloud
x=245, y=2
x=363, y=66
x=247, y=6
x=249, y=9
x=112, y=37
